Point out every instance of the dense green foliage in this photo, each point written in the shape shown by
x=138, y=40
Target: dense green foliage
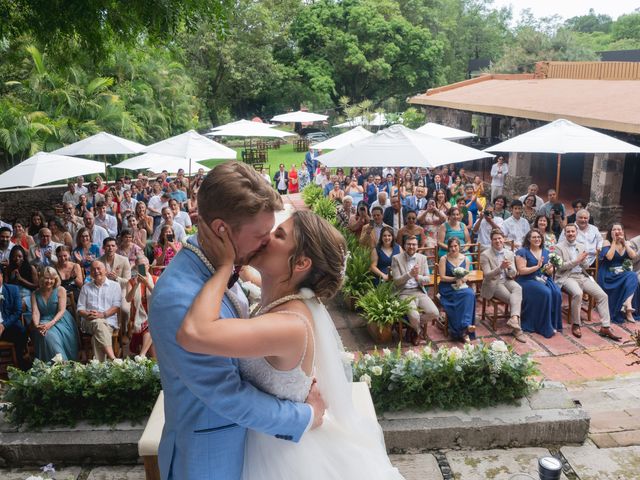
x=451, y=378
x=382, y=306
x=66, y=393
x=147, y=70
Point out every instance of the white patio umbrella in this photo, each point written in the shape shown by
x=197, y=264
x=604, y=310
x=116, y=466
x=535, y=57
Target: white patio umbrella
x=46, y=167
x=377, y=120
x=246, y=128
x=102, y=143
x=343, y=139
x=192, y=145
x=157, y=162
x=400, y=146
x=442, y=131
x=299, y=116
x=563, y=136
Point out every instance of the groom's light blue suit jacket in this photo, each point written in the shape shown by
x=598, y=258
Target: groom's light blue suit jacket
x=207, y=406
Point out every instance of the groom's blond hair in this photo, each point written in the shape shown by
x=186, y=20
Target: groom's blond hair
x=235, y=192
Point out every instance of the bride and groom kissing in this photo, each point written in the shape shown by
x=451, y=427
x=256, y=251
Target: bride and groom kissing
x=262, y=396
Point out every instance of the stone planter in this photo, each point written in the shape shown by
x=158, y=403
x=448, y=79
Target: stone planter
x=380, y=334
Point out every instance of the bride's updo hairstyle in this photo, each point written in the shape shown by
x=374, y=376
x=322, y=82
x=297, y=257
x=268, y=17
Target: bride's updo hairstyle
x=324, y=245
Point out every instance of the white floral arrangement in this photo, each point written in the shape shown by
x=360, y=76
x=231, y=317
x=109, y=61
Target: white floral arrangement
x=473, y=376
x=459, y=273
x=555, y=260
x=48, y=473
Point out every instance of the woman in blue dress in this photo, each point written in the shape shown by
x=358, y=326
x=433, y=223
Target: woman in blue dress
x=381, y=255
x=453, y=228
x=85, y=252
x=541, y=297
x=619, y=284
x=54, y=329
x=457, y=299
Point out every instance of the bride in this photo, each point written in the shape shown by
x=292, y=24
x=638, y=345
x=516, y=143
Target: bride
x=289, y=343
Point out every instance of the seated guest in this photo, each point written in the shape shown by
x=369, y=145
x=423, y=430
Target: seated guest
x=396, y=215
x=498, y=266
x=43, y=253
x=345, y=210
x=5, y=246
x=59, y=233
x=179, y=216
x=128, y=203
x=98, y=307
x=192, y=206
x=418, y=201
x=438, y=184
x=577, y=205
x=98, y=233
x=22, y=275
x=619, y=284
x=105, y=220
x=573, y=278
x=516, y=227
x=139, y=290
x=500, y=207
x=144, y=221
x=118, y=267
x=453, y=227
x=36, y=222
x=70, y=195
x=371, y=232
x=529, y=210
x=556, y=220
x=542, y=223
x=86, y=251
x=552, y=203
x=441, y=201
x=354, y=190
x=486, y=224
x=329, y=185
x=478, y=191
x=165, y=249
x=456, y=190
x=381, y=256
x=70, y=221
x=11, y=328
x=55, y=330
x=127, y=248
x=635, y=244
x=176, y=192
x=382, y=201
x=82, y=206
x=411, y=229
x=542, y=305
x=70, y=273
x=458, y=300
x=430, y=219
x=588, y=234
x=138, y=235
x=533, y=190
x=472, y=203
x=466, y=217
x=21, y=237
x=359, y=220
x=410, y=275
x=336, y=194
x=167, y=219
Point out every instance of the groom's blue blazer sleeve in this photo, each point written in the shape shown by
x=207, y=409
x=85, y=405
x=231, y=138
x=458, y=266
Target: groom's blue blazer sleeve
x=205, y=394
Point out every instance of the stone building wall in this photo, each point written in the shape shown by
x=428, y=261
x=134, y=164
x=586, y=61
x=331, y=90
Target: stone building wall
x=19, y=203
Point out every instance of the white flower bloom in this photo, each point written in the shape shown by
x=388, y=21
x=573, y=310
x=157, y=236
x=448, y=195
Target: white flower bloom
x=411, y=354
x=48, y=468
x=33, y=477
x=118, y=361
x=366, y=379
x=427, y=350
x=94, y=361
x=455, y=353
x=499, y=346
x=367, y=357
x=139, y=358
x=386, y=352
x=57, y=358
x=348, y=357
x=376, y=370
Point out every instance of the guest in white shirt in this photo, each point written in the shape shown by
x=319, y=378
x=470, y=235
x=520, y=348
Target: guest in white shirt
x=516, y=226
x=98, y=306
x=98, y=234
x=106, y=221
x=499, y=172
x=71, y=195
x=5, y=246
x=533, y=190
x=80, y=188
x=128, y=204
x=382, y=201
x=179, y=216
x=588, y=234
x=167, y=219
x=485, y=224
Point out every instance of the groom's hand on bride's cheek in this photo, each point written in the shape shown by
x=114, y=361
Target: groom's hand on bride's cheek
x=315, y=400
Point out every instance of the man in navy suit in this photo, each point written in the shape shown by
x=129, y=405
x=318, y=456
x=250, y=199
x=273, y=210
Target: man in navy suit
x=11, y=328
x=396, y=216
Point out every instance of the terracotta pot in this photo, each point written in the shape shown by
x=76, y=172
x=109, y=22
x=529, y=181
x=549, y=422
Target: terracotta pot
x=380, y=334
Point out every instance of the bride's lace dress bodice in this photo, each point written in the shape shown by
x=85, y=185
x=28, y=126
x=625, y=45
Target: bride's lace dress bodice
x=291, y=384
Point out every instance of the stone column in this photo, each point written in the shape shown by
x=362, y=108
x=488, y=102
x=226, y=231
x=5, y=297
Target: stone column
x=587, y=171
x=606, y=185
x=519, y=177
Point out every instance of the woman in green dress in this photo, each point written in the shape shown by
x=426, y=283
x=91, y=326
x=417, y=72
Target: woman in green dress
x=54, y=330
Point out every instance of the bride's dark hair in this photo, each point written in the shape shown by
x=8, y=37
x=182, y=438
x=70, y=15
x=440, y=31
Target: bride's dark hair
x=324, y=245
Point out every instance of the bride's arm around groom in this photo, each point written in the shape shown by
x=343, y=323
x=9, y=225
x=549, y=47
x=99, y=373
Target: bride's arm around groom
x=208, y=407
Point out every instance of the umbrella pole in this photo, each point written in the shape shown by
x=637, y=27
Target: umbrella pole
x=559, y=163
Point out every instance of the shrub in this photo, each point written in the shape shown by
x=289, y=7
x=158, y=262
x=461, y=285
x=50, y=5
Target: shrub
x=450, y=378
x=326, y=208
x=382, y=306
x=311, y=194
x=65, y=393
x=358, y=278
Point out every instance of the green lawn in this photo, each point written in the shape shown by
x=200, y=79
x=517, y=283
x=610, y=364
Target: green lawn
x=284, y=154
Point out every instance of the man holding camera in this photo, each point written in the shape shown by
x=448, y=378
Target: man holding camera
x=485, y=224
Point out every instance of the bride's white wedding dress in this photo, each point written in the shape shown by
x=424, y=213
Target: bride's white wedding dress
x=346, y=446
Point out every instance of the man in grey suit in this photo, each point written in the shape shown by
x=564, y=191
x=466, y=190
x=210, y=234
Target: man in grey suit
x=573, y=278
x=499, y=271
x=410, y=272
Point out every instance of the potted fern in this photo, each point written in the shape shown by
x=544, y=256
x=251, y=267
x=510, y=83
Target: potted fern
x=382, y=307
x=311, y=194
x=325, y=208
x=358, y=278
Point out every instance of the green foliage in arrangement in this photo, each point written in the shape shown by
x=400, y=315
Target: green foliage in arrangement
x=65, y=393
x=358, y=279
x=450, y=378
x=311, y=194
x=326, y=208
x=382, y=306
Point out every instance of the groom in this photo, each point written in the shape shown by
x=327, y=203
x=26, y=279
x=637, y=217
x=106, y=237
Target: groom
x=208, y=407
